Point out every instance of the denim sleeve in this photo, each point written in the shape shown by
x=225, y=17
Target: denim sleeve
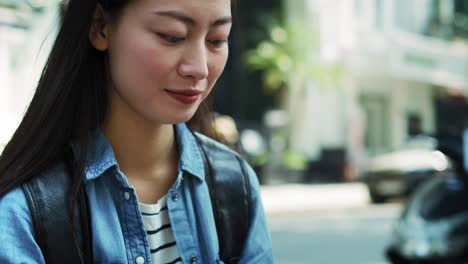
x=258, y=248
x=17, y=236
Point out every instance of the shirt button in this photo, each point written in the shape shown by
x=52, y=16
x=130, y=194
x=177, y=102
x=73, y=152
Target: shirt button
x=175, y=197
x=127, y=196
x=140, y=260
x=193, y=260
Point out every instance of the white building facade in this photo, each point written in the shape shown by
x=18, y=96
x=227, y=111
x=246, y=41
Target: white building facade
x=398, y=55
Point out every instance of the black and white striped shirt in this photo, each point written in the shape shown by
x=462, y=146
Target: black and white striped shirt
x=159, y=232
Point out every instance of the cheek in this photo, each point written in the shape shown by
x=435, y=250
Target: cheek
x=143, y=58
x=216, y=68
x=137, y=65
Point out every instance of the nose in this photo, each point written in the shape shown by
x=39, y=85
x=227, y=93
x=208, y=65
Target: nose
x=194, y=63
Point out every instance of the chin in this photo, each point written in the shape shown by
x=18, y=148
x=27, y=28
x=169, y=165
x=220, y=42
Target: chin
x=175, y=118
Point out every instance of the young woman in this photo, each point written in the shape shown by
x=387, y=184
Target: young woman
x=123, y=78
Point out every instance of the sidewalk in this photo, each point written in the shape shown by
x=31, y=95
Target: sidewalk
x=290, y=198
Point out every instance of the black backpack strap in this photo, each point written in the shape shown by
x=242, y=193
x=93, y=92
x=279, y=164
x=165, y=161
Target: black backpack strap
x=229, y=187
x=47, y=200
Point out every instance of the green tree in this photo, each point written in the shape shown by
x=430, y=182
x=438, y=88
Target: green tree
x=288, y=58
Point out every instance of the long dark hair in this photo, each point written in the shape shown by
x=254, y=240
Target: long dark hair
x=69, y=104
x=70, y=101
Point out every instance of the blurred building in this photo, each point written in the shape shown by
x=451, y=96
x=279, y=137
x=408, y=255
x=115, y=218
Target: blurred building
x=27, y=29
x=406, y=65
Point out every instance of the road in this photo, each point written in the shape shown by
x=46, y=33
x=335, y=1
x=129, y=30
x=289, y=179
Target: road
x=348, y=235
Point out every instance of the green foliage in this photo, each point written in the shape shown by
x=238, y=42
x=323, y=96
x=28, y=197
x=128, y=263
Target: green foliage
x=294, y=160
x=27, y=5
x=260, y=159
x=7, y=5
x=292, y=49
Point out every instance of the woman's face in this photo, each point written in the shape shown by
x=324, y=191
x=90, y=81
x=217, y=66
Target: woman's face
x=166, y=55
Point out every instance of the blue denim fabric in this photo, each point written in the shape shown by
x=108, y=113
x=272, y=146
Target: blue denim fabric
x=118, y=232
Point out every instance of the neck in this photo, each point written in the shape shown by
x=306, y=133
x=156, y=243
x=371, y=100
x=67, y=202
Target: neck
x=141, y=148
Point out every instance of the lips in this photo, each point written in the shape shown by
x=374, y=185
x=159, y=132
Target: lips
x=185, y=96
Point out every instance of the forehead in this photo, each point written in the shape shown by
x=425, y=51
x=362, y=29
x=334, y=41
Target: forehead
x=198, y=9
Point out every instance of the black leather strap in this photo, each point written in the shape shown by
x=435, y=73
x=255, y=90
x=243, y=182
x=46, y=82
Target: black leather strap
x=47, y=199
x=230, y=197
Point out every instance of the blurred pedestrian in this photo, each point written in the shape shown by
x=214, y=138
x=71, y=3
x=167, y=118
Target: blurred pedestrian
x=225, y=131
x=110, y=113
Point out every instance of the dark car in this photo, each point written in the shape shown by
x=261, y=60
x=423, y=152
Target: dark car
x=433, y=226
x=398, y=173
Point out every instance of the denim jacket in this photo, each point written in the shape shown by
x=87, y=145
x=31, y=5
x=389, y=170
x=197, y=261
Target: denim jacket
x=118, y=232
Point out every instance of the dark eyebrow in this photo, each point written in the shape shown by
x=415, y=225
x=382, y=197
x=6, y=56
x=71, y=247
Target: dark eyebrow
x=190, y=21
x=222, y=21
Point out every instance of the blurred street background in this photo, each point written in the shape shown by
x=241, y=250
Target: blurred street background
x=336, y=104
x=333, y=223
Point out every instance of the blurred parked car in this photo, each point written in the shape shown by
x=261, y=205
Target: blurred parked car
x=398, y=173
x=433, y=226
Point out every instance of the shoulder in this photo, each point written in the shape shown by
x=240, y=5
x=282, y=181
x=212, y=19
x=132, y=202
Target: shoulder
x=18, y=241
x=54, y=179
x=14, y=205
x=214, y=145
x=258, y=247
x=219, y=152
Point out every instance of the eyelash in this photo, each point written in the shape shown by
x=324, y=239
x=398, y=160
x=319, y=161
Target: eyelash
x=175, y=40
x=170, y=39
x=219, y=42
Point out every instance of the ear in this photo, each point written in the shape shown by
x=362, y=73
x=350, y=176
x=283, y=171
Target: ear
x=98, y=33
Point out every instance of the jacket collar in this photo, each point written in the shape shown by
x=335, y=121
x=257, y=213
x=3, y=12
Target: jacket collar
x=101, y=155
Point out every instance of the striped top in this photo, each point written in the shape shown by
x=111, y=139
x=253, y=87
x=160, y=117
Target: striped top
x=159, y=232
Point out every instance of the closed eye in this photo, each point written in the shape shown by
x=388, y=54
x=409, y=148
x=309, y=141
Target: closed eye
x=170, y=39
x=218, y=42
